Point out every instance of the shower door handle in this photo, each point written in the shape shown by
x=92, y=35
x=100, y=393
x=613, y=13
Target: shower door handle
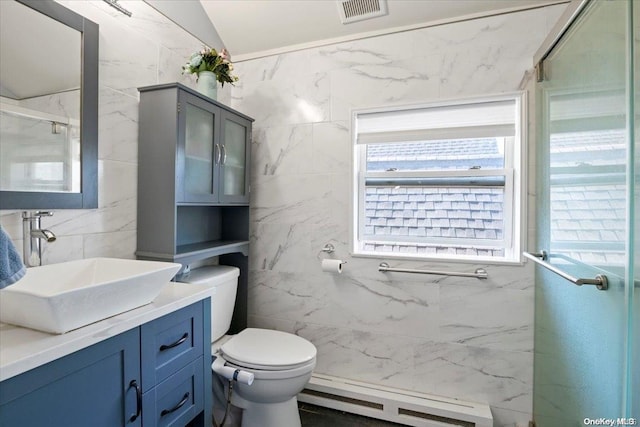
x=600, y=281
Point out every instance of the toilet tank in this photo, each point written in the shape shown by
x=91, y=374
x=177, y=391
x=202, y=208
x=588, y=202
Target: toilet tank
x=225, y=279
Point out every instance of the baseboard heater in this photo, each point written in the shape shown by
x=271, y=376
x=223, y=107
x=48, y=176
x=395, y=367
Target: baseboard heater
x=395, y=405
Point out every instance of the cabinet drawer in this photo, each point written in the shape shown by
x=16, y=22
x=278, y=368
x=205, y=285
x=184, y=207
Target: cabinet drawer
x=177, y=400
x=171, y=343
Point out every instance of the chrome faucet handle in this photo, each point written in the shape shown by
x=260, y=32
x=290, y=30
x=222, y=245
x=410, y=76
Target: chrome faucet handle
x=30, y=216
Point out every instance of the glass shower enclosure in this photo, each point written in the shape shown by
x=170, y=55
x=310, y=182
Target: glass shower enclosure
x=587, y=316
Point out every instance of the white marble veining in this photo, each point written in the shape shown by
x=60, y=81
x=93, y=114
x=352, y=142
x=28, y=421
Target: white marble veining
x=120, y=244
x=118, y=126
x=492, y=318
x=287, y=152
x=301, y=100
x=68, y=248
x=375, y=306
x=127, y=60
x=25, y=349
x=169, y=73
x=408, y=81
x=331, y=147
x=478, y=374
x=276, y=200
x=456, y=337
x=361, y=355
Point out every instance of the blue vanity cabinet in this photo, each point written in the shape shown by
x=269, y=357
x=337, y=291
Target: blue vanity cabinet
x=94, y=387
x=157, y=374
x=176, y=368
x=173, y=372
x=177, y=400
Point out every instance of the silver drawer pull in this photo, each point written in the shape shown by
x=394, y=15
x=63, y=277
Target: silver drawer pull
x=184, y=337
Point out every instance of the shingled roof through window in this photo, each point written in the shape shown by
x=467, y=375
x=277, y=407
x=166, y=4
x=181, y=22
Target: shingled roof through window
x=410, y=216
x=436, y=155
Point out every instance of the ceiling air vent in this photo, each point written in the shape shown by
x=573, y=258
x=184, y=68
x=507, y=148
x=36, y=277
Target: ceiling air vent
x=359, y=10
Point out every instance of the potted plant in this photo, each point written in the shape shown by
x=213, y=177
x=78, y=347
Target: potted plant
x=211, y=67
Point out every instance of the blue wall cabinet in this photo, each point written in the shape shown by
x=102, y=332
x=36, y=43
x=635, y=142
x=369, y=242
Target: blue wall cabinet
x=196, y=149
x=157, y=374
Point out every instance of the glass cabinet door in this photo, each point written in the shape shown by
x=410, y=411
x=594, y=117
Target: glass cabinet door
x=199, y=150
x=235, y=158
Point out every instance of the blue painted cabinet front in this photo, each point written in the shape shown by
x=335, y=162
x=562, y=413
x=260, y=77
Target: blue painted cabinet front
x=154, y=375
x=92, y=387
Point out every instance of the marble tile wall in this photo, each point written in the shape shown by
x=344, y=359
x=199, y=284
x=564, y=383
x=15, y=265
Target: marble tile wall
x=455, y=337
x=143, y=50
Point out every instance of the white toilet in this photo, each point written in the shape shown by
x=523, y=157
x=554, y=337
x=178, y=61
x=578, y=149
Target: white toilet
x=280, y=364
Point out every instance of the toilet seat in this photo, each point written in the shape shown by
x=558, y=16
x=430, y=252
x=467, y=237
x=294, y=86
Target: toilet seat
x=268, y=350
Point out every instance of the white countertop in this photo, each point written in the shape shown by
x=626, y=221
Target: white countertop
x=23, y=349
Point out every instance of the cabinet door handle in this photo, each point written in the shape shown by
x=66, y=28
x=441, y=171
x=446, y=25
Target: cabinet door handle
x=219, y=155
x=224, y=154
x=135, y=385
x=178, y=406
x=184, y=337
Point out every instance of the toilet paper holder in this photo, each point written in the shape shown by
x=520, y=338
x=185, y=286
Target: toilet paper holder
x=330, y=265
x=327, y=249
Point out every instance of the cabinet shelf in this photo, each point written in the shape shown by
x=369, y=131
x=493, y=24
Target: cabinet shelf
x=212, y=248
x=188, y=253
x=208, y=204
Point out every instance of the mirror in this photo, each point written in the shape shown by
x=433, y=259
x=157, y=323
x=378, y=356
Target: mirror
x=48, y=107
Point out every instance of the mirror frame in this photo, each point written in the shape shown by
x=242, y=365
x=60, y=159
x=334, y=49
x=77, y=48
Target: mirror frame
x=87, y=198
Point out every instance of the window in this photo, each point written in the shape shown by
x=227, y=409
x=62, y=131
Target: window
x=441, y=181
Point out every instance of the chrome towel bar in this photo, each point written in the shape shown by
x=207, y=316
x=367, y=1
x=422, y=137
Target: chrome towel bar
x=480, y=273
x=600, y=281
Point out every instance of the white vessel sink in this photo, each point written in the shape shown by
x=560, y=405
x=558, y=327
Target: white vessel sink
x=60, y=297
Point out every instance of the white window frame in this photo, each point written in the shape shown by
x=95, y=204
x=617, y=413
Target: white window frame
x=514, y=203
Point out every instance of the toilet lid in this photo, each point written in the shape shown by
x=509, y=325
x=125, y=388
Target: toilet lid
x=268, y=350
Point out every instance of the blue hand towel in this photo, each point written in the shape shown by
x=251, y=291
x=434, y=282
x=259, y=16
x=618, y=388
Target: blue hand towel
x=11, y=267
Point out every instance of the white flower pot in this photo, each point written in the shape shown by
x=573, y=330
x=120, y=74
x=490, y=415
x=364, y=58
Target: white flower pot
x=207, y=84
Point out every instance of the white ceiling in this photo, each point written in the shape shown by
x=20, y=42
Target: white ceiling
x=252, y=28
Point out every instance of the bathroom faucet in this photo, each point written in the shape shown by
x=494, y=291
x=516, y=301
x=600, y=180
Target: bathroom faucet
x=32, y=235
